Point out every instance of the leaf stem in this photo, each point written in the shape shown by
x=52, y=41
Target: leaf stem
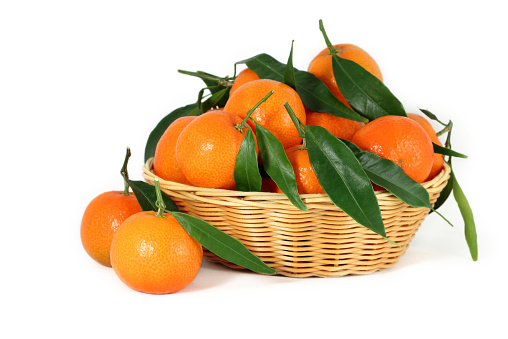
x=241, y=126
x=160, y=202
x=226, y=81
x=332, y=49
x=124, y=172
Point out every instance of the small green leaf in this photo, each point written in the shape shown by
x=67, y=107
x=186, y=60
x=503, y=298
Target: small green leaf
x=277, y=165
x=445, y=193
x=343, y=178
x=221, y=244
x=247, y=176
x=289, y=73
x=387, y=174
x=147, y=196
x=313, y=92
x=161, y=127
x=467, y=215
x=448, y=151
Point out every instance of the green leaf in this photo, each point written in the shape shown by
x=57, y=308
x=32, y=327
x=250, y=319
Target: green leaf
x=343, y=178
x=363, y=91
x=221, y=244
x=277, y=165
x=147, y=197
x=387, y=174
x=445, y=193
x=448, y=151
x=313, y=92
x=467, y=215
x=289, y=73
x=247, y=176
x=161, y=127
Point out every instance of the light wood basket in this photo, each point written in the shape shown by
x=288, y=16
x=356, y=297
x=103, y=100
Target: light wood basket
x=323, y=242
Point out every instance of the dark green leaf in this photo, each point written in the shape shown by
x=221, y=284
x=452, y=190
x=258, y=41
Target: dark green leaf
x=343, y=178
x=277, y=165
x=289, y=73
x=247, y=176
x=467, y=215
x=161, y=127
x=313, y=92
x=447, y=151
x=363, y=91
x=147, y=197
x=221, y=244
x=445, y=193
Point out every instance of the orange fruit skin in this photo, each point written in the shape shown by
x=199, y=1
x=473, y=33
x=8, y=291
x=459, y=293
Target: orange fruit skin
x=340, y=127
x=206, y=149
x=321, y=66
x=245, y=76
x=271, y=114
x=102, y=217
x=437, y=165
x=400, y=140
x=165, y=165
x=154, y=254
x=306, y=180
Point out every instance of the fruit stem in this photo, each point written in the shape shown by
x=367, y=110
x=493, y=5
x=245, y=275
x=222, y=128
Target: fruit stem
x=160, y=202
x=241, y=126
x=328, y=43
x=124, y=172
x=298, y=124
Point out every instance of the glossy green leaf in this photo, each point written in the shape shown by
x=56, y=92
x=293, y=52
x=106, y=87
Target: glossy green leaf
x=387, y=174
x=158, y=131
x=342, y=177
x=445, y=193
x=221, y=244
x=363, y=91
x=448, y=151
x=277, y=165
x=313, y=92
x=289, y=73
x=467, y=215
x=147, y=197
x=247, y=176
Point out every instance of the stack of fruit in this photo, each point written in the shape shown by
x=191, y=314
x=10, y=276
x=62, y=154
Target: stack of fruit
x=335, y=129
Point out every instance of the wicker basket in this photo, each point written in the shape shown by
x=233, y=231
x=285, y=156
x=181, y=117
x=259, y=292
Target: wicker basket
x=323, y=242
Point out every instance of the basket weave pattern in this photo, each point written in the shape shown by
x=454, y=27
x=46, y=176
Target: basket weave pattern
x=323, y=242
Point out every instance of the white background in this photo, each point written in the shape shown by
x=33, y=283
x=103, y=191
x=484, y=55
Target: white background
x=81, y=81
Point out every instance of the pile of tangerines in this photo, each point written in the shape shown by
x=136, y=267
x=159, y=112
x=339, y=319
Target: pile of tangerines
x=153, y=254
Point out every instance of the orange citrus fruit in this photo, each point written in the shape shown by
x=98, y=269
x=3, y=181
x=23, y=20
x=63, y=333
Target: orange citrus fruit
x=165, y=165
x=438, y=163
x=321, y=65
x=340, y=127
x=243, y=77
x=400, y=140
x=206, y=149
x=271, y=114
x=154, y=254
x=102, y=217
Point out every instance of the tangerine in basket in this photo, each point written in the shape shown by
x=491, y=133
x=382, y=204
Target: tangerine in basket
x=321, y=65
x=154, y=254
x=438, y=163
x=340, y=127
x=102, y=217
x=401, y=140
x=306, y=179
x=271, y=114
x=206, y=149
x=165, y=165
x=245, y=76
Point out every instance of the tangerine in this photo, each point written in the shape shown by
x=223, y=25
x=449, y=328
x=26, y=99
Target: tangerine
x=340, y=127
x=155, y=254
x=400, y=140
x=321, y=66
x=206, y=149
x=438, y=163
x=165, y=165
x=243, y=77
x=271, y=114
x=102, y=217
